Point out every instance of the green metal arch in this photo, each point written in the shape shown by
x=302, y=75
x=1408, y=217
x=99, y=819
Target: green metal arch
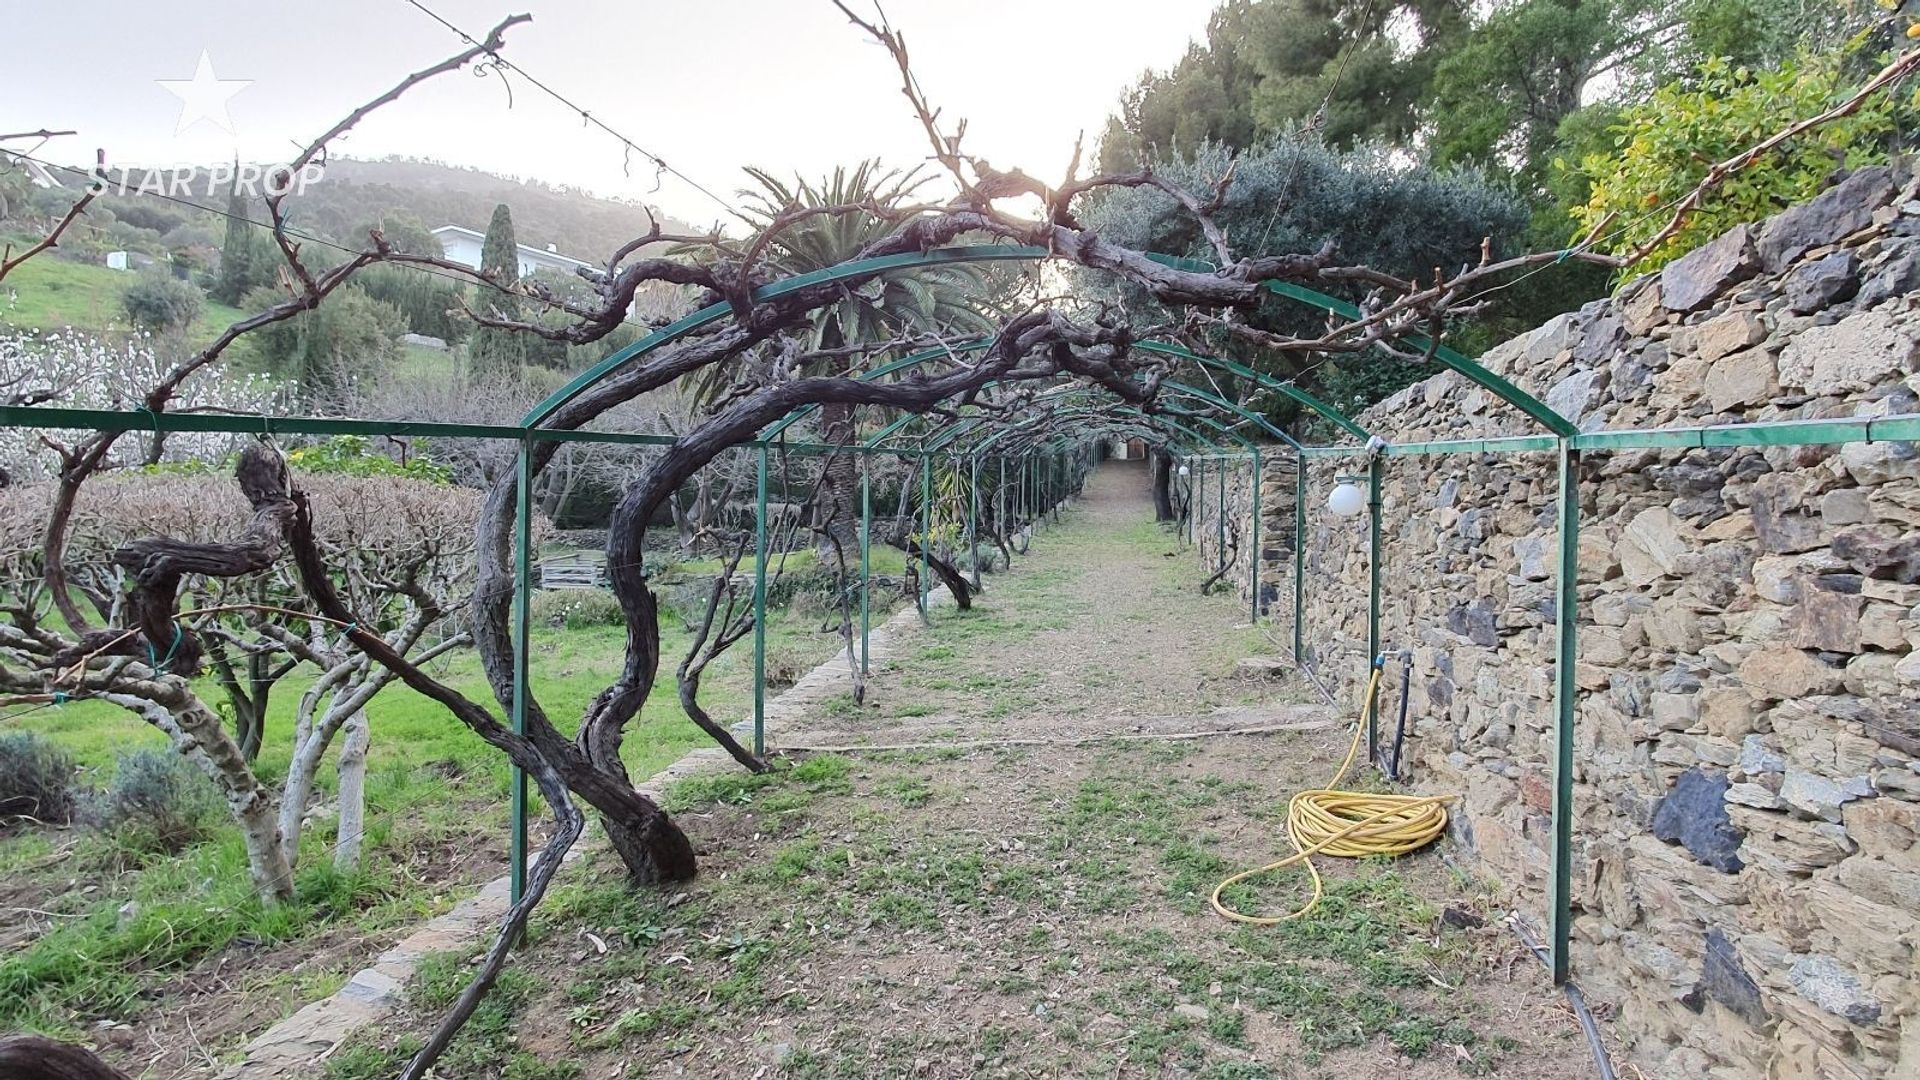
x=1153, y=423
x=1150, y=422
x=956, y=429
x=1499, y=387
x=1339, y=419
x=1103, y=424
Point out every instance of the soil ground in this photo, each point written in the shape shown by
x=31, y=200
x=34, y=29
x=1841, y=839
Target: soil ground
x=1030, y=909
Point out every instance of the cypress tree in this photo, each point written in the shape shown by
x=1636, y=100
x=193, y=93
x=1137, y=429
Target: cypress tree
x=236, y=252
x=498, y=352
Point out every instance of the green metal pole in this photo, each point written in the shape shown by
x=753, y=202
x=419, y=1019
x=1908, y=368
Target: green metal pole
x=973, y=517
x=1566, y=612
x=866, y=560
x=760, y=609
x=926, y=530
x=1300, y=561
x=1253, y=550
x=522, y=623
x=1375, y=470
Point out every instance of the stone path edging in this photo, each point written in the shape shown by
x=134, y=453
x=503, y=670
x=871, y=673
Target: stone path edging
x=297, y=1045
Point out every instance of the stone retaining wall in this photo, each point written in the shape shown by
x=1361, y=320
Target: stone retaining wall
x=1747, y=795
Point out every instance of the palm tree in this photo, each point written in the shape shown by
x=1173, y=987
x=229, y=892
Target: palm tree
x=943, y=300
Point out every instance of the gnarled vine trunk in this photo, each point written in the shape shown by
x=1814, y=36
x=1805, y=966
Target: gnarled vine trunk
x=196, y=731
x=31, y=1057
x=352, y=820
x=1162, y=486
x=837, y=508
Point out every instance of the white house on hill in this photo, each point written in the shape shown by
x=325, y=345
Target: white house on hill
x=463, y=246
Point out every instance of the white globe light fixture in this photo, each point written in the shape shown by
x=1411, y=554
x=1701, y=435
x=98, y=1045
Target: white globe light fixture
x=1185, y=472
x=1347, y=500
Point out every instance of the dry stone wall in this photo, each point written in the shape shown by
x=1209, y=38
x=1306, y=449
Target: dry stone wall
x=1747, y=794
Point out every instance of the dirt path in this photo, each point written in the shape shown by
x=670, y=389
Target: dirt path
x=1025, y=910
x=1100, y=629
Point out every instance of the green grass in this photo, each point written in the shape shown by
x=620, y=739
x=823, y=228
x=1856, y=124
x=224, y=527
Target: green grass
x=429, y=781
x=569, y=667
x=49, y=292
x=178, y=910
x=484, y=1047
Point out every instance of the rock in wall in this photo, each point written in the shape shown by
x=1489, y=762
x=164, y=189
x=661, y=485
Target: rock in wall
x=1747, y=795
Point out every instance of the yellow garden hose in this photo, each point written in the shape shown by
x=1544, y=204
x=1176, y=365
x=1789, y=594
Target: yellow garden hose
x=1348, y=824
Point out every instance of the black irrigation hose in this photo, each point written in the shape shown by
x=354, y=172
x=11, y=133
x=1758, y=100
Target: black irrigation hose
x=1400, y=726
x=1601, y=1064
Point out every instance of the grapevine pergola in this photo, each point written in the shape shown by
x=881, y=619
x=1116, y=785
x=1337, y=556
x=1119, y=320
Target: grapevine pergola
x=1031, y=444
x=1023, y=401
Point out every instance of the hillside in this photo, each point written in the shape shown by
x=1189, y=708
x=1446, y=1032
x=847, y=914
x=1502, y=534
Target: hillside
x=579, y=224
x=71, y=286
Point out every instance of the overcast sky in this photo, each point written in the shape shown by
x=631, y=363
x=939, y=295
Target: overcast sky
x=709, y=85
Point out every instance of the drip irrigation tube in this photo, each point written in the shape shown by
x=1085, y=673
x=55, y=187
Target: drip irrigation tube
x=1347, y=824
x=1588, y=1025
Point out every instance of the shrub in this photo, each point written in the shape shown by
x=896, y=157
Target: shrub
x=1664, y=147
x=811, y=591
x=158, y=801
x=787, y=663
x=159, y=302
x=577, y=609
x=36, y=780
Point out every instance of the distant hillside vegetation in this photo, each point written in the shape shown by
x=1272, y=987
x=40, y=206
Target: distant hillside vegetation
x=579, y=224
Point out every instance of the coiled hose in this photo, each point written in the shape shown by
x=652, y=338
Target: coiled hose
x=1347, y=824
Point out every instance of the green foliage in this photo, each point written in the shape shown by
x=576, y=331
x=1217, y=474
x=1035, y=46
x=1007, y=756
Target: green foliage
x=498, y=353
x=937, y=299
x=160, y=302
x=1500, y=96
x=157, y=802
x=351, y=455
x=50, y=292
x=239, y=273
x=423, y=300
x=36, y=780
x=1664, y=147
x=1354, y=71
x=328, y=350
x=500, y=252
